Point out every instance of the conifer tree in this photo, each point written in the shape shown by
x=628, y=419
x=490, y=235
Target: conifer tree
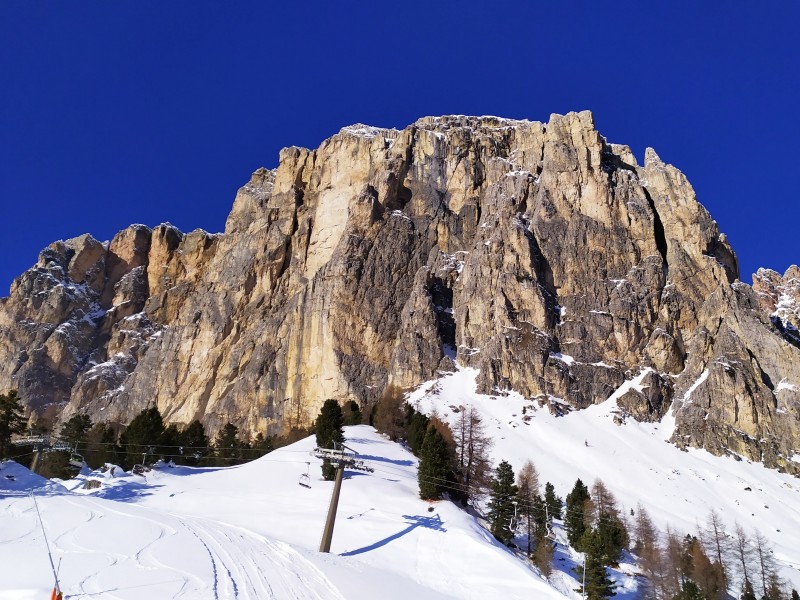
x=690, y=591
x=417, y=426
x=101, y=446
x=742, y=550
x=527, y=491
x=795, y=595
x=574, y=521
x=747, y=591
x=329, y=433
x=472, y=452
x=435, y=472
x=227, y=445
x=12, y=420
x=264, y=445
x=169, y=444
x=195, y=442
x=716, y=543
x=143, y=433
x=501, y=503
x=766, y=566
x=552, y=501
x=75, y=430
x=598, y=585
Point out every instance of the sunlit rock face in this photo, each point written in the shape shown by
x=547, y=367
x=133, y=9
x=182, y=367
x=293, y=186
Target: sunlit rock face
x=538, y=253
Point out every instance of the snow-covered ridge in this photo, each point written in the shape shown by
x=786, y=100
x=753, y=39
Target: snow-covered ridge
x=678, y=487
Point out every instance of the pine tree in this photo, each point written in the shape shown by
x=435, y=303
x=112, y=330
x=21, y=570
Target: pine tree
x=142, y=435
x=227, y=445
x=329, y=432
x=435, y=472
x=195, y=442
x=574, y=521
x=690, y=591
x=264, y=445
x=12, y=420
x=328, y=427
x=612, y=537
x=74, y=431
x=747, y=591
x=101, y=446
x=417, y=426
x=552, y=501
x=501, y=503
x=169, y=444
x=795, y=595
x=598, y=585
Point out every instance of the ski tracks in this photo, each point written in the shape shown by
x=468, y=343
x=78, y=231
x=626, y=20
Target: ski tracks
x=249, y=567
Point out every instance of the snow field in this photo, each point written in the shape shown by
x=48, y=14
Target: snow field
x=252, y=532
x=677, y=488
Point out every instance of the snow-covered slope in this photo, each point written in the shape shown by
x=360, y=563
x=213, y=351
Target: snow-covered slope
x=677, y=487
x=253, y=532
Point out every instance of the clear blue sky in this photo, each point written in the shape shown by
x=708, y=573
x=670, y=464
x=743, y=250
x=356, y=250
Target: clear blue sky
x=119, y=112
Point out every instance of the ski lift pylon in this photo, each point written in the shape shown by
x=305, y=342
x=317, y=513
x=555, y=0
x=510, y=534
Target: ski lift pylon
x=305, y=478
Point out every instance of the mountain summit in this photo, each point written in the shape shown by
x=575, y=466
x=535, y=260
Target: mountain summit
x=537, y=253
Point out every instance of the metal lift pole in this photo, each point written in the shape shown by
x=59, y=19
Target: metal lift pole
x=341, y=457
x=327, y=533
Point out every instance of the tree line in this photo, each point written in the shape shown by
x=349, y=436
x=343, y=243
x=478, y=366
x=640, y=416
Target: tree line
x=145, y=440
x=705, y=565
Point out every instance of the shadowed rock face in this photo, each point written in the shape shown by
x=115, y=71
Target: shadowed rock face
x=538, y=253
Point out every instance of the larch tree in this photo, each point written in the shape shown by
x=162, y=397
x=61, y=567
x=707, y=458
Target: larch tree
x=716, y=543
x=527, y=491
x=765, y=563
x=472, y=452
x=742, y=548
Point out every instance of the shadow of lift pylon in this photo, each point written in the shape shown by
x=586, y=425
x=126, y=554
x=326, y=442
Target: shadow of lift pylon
x=341, y=458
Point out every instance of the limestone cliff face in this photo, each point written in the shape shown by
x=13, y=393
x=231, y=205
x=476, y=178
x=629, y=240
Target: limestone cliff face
x=538, y=253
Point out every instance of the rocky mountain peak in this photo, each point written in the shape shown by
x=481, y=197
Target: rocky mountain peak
x=538, y=253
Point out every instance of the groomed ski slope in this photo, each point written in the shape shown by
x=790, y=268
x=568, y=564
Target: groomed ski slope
x=677, y=488
x=251, y=532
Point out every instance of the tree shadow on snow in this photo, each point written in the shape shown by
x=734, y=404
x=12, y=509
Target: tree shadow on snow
x=413, y=521
x=126, y=493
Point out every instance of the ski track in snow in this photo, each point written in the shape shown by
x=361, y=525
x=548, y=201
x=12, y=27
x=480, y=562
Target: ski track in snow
x=250, y=532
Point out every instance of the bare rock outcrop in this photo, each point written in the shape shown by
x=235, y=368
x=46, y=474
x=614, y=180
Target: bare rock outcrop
x=538, y=253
